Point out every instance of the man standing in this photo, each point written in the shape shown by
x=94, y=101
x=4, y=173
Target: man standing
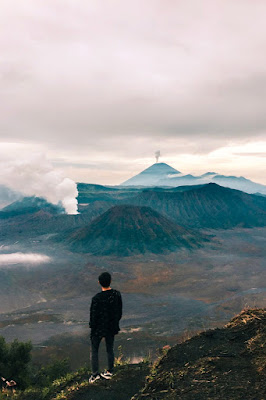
x=105, y=314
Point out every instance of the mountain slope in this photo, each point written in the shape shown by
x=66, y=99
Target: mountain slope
x=30, y=205
x=208, y=206
x=88, y=193
x=152, y=175
x=239, y=183
x=95, y=198
x=227, y=363
x=127, y=230
x=233, y=182
x=7, y=196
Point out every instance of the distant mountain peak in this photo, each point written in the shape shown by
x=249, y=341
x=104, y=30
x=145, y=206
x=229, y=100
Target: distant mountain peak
x=152, y=175
x=161, y=167
x=208, y=174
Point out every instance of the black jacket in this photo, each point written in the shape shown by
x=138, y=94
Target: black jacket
x=105, y=313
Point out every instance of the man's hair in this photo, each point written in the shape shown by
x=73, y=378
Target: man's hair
x=105, y=279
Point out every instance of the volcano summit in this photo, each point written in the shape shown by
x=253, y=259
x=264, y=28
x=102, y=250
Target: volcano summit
x=152, y=175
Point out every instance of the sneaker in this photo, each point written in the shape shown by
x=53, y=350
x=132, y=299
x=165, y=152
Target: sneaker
x=94, y=378
x=106, y=375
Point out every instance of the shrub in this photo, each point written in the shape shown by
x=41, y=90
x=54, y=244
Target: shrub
x=14, y=361
x=49, y=373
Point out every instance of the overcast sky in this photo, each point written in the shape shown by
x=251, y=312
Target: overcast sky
x=99, y=86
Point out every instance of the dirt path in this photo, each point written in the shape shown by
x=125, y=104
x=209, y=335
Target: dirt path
x=128, y=381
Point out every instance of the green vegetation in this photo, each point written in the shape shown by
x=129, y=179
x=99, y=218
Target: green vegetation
x=55, y=381
x=45, y=376
x=14, y=361
x=127, y=381
x=52, y=384
x=32, y=383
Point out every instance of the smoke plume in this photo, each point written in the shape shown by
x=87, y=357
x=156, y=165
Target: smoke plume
x=33, y=175
x=157, y=155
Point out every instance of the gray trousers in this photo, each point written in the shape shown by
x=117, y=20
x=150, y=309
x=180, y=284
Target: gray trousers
x=95, y=343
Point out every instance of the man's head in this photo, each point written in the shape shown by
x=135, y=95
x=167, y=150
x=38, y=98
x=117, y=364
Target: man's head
x=105, y=279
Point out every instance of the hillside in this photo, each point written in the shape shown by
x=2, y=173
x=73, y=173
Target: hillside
x=227, y=363
x=22, y=226
x=30, y=205
x=31, y=216
x=218, y=364
x=7, y=196
x=96, y=199
x=127, y=230
x=208, y=206
x=88, y=193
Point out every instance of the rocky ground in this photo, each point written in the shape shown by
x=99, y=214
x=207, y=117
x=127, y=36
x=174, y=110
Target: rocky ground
x=227, y=363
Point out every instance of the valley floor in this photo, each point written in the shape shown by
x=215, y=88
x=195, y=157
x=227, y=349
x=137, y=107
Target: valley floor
x=165, y=297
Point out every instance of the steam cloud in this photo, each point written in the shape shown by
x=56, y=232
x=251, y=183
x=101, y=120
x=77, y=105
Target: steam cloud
x=157, y=155
x=35, y=176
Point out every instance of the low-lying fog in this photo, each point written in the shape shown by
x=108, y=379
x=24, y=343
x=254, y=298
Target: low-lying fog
x=8, y=259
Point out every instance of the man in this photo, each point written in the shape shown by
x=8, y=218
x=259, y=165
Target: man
x=8, y=385
x=105, y=314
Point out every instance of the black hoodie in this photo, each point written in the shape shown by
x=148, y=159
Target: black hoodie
x=105, y=313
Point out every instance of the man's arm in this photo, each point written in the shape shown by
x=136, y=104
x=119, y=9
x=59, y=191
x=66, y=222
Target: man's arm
x=93, y=314
x=119, y=306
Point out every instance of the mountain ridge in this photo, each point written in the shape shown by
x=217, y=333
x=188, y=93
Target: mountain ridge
x=208, y=206
x=153, y=176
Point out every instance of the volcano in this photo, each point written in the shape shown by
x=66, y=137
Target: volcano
x=128, y=230
x=152, y=175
